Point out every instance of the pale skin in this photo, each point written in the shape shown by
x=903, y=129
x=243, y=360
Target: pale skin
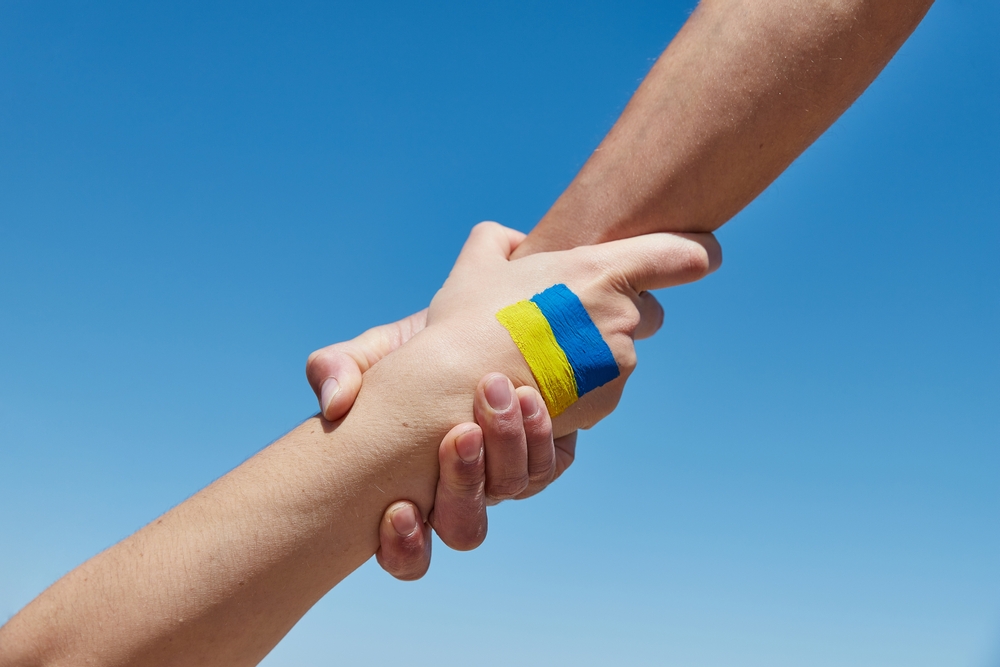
x=742, y=90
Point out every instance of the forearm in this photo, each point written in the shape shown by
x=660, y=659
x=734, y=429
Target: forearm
x=222, y=577
x=215, y=553
x=740, y=92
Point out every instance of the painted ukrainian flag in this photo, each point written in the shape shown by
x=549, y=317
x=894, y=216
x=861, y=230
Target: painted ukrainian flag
x=562, y=345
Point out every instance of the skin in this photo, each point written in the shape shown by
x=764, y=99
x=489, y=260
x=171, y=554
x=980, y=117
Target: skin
x=523, y=453
x=742, y=90
x=518, y=461
x=222, y=577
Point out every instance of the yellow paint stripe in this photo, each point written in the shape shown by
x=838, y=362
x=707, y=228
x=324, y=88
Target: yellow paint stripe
x=533, y=336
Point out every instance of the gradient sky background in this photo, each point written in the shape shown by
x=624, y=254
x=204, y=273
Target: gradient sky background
x=804, y=470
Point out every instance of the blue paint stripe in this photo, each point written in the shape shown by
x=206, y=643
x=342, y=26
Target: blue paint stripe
x=578, y=336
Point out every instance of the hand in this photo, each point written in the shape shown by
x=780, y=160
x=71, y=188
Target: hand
x=519, y=456
x=675, y=260
x=515, y=454
x=413, y=396
x=509, y=454
x=463, y=339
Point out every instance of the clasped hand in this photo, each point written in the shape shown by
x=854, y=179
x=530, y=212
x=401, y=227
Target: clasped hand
x=509, y=451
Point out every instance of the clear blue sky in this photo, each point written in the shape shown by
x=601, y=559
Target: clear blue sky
x=804, y=471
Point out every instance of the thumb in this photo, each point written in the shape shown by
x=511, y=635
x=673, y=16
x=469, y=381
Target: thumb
x=655, y=261
x=334, y=372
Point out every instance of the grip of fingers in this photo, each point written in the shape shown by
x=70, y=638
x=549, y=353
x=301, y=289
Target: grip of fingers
x=538, y=438
x=336, y=379
x=498, y=412
x=459, y=515
x=404, y=542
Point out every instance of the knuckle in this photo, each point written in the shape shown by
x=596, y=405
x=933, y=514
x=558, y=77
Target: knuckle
x=599, y=265
x=507, y=486
x=485, y=227
x=466, y=480
x=541, y=472
x=693, y=260
x=505, y=429
x=539, y=435
x=626, y=358
x=629, y=317
x=592, y=267
x=503, y=434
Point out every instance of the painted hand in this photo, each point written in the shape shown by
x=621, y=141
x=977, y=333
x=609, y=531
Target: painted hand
x=563, y=322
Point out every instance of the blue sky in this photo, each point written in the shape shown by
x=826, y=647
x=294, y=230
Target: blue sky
x=193, y=196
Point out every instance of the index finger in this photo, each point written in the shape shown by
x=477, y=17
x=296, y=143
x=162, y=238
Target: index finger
x=655, y=261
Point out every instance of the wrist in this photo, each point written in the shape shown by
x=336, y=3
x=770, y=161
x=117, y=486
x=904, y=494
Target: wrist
x=408, y=402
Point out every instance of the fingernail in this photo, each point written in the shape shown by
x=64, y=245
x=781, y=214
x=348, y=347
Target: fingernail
x=498, y=393
x=327, y=392
x=529, y=405
x=470, y=445
x=404, y=520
